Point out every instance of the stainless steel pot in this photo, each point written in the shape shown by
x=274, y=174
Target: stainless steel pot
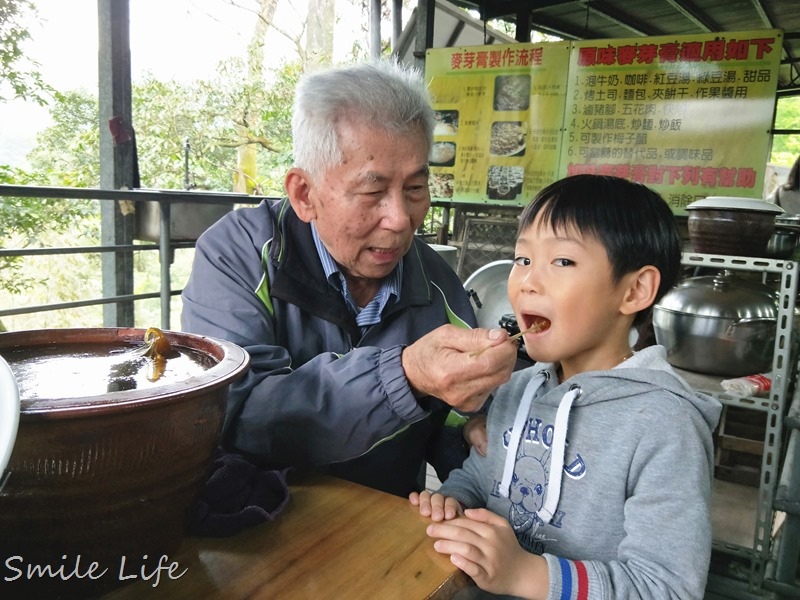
x=719, y=325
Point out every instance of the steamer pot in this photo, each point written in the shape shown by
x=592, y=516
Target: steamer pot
x=719, y=325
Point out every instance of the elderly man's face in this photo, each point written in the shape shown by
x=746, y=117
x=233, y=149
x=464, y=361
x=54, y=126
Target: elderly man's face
x=367, y=209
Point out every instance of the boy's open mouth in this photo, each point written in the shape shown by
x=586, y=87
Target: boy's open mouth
x=535, y=323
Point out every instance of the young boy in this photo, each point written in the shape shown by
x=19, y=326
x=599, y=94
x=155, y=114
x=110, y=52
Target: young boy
x=597, y=477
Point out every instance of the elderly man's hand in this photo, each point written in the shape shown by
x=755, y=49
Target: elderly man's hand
x=442, y=364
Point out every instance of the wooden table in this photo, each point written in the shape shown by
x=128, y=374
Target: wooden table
x=334, y=539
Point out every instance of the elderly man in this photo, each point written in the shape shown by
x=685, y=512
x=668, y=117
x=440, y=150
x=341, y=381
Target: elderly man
x=358, y=332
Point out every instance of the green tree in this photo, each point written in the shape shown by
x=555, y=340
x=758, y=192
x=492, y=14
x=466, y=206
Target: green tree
x=66, y=152
x=65, y=155
x=23, y=220
x=210, y=115
x=166, y=114
x=35, y=223
x=786, y=147
x=19, y=76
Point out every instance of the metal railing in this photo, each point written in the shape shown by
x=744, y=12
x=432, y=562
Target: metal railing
x=165, y=199
x=436, y=227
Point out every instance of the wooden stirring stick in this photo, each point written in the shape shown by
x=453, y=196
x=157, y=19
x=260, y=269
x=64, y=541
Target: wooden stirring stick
x=535, y=327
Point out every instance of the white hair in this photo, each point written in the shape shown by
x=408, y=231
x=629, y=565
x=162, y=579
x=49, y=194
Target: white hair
x=383, y=94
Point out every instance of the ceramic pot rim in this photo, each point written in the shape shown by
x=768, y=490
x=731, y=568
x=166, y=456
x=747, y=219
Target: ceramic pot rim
x=232, y=361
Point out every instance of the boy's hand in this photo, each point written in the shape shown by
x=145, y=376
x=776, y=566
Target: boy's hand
x=483, y=545
x=436, y=506
x=475, y=433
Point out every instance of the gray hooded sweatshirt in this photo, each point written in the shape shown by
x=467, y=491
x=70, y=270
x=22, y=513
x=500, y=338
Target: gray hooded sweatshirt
x=606, y=475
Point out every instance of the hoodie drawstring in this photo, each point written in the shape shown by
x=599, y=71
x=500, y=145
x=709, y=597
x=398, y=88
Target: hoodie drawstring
x=558, y=450
x=516, y=431
x=557, y=455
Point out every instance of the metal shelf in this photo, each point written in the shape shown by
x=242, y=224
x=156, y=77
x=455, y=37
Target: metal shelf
x=775, y=405
x=710, y=384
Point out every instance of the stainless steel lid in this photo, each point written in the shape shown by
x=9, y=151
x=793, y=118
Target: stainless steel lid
x=721, y=296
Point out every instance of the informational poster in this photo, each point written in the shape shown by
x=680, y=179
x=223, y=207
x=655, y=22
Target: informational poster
x=688, y=116
x=499, y=111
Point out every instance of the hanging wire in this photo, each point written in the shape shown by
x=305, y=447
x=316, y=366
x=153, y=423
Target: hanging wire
x=586, y=25
x=482, y=8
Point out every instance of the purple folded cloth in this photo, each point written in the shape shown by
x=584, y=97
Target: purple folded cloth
x=237, y=495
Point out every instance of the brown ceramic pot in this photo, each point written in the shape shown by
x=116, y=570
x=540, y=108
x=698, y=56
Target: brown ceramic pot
x=736, y=232
x=729, y=225
x=111, y=476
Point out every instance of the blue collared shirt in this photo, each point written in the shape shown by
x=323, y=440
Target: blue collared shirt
x=371, y=313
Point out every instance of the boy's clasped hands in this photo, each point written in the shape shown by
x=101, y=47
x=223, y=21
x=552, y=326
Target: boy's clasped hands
x=482, y=544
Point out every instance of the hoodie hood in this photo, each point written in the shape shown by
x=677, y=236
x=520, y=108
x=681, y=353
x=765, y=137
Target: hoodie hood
x=645, y=373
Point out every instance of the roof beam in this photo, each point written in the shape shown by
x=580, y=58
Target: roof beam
x=498, y=10
x=695, y=15
x=453, y=38
x=762, y=13
x=769, y=23
x=600, y=8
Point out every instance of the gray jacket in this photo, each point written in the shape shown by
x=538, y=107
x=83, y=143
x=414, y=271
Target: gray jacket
x=632, y=448
x=318, y=392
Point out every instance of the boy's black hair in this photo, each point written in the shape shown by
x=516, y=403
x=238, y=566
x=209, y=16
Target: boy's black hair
x=631, y=221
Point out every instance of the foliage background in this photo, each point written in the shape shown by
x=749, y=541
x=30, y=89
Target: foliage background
x=786, y=148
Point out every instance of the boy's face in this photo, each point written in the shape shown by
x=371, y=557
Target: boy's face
x=562, y=282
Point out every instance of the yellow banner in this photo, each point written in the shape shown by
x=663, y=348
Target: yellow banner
x=688, y=116
x=500, y=110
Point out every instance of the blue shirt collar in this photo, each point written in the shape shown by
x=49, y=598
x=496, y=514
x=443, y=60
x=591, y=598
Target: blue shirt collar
x=389, y=290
